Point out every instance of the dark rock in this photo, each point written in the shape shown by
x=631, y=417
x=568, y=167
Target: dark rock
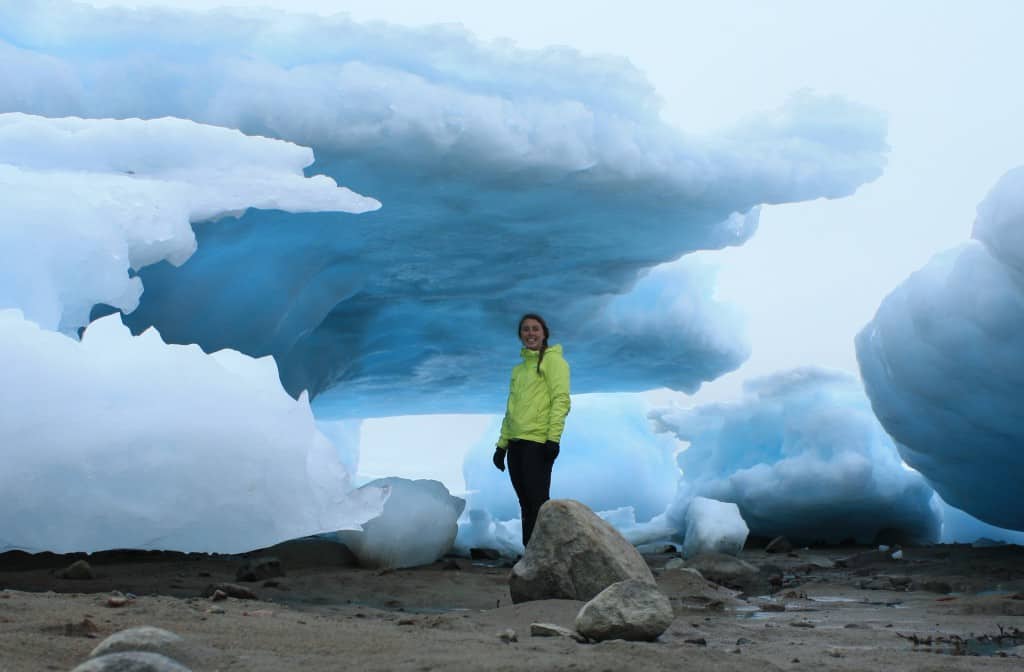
x=778, y=545
x=229, y=589
x=80, y=570
x=488, y=554
x=573, y=555
x=259, y=569
x=308, y=552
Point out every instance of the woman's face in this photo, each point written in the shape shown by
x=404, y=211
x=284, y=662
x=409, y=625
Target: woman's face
x=531, y=333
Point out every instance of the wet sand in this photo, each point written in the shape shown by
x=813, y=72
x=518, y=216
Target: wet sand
x=822, y=608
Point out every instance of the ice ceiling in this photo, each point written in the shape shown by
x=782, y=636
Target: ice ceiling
x=510, y=180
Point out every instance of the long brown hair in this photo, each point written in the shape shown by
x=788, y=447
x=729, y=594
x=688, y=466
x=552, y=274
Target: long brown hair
x=547, y=333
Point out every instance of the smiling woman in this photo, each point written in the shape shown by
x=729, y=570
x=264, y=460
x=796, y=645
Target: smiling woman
x=531, y=432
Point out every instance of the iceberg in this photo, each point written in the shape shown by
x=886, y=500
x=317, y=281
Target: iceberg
x=943, y=365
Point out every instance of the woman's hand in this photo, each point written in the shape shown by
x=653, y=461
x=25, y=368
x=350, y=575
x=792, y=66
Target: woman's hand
x=553, y=449
x=499, y=458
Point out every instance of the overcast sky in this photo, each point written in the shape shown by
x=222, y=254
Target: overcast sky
x=945, y=74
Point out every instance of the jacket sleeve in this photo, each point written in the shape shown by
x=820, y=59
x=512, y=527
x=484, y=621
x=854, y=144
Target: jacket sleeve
x=504, y=437
x=556, y=374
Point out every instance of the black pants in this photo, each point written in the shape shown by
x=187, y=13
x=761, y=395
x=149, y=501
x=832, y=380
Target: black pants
x=529, y=466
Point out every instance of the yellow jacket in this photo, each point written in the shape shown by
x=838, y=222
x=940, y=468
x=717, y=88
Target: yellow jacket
x=537, y=402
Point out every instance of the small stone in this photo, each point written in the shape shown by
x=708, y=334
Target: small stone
x=142, y=638
x=699, y=641
x=218, y=595
x=230, y=590
x=633, y=610
x=743, y=641
x=508, y=636
x=407, y=621
x=115, y=601
x=80, y=570
x=131, y=661
x=553, y=630
x=484, y=554
x=778, y=545
x=802, y=624
x=216, y=610
x=835, y=652
x=84, y=628
x=259, y=569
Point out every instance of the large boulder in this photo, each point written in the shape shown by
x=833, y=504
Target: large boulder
x=633, y=610
x=573, y=555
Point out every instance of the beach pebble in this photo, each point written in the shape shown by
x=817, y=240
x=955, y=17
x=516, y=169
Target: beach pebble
x=259, y=569
x=80, y=570
x=131, y=661
x=552, y=630
x=230, y=590
x=142, y=638
x=778, y=545
x=632, y=610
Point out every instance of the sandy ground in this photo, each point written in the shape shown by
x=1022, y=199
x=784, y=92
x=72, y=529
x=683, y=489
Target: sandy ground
x=323, y=616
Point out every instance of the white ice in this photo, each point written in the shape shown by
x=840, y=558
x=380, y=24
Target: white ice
x=121, y=441
x=713, y=527
x=417, y=526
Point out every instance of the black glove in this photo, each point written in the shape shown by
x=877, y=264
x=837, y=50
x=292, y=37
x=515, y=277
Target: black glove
x=553, y=449
x=499, y=458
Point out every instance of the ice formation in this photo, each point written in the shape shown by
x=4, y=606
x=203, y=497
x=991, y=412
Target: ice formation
x=417, y=526
x=513, y=180
x=943, y=364
x=121, y=441
x=124, y=441
x=87, y=203
x=803, y=456
x=713, y=527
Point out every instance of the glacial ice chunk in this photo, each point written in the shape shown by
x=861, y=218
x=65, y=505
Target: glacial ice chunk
x=121, y=441
x=417, y=526
x=943, y=364
x=713, y=527
x=803, y=456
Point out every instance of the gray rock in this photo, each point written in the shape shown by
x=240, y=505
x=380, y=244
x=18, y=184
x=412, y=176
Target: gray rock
x=573, y=555
x=729, y=571
x=259, y=569
x=553, y=630
x=131, y=661
x=229, y=590
x=632, y=610
x=142, y=638
x=778, y=545
x=80, y=570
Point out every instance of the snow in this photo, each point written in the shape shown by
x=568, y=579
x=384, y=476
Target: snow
x=943, y=364
x=417, y=526
x=713, y=527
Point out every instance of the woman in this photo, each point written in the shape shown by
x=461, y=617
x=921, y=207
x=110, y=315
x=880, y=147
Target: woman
x=538, y=401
